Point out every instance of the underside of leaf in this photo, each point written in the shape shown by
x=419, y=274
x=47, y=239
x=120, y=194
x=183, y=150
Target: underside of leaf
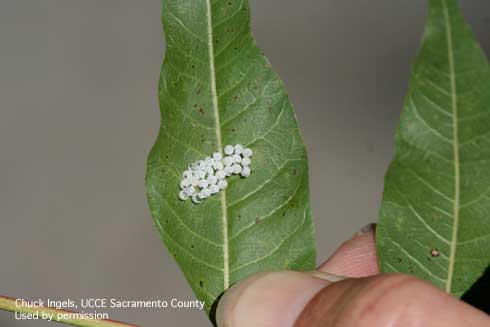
x=217, y=88
x=435, y=213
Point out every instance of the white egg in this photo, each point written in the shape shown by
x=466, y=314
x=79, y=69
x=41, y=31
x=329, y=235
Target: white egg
x=220, y=174
x=236, y=158
x=228, y=171
x=229, y=149
x=247, y=152
x=238, y=149
x=214, y=189
x=228, y=161
x=217, y=156
x=236, y=169
x=183, y=195
x=245, y=171
x=212, y=179
x=246, y=162
x=222, y=184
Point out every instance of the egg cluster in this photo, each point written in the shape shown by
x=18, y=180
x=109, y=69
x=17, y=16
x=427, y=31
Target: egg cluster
x=207, y=177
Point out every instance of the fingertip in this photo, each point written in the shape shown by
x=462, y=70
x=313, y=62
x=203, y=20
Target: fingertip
x=268, y=299
x=356, y=257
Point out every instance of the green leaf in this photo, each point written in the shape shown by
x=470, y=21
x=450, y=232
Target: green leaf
x=217, y=88
x=435, y=213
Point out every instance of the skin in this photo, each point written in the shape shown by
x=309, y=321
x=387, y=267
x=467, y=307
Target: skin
x=346, y=291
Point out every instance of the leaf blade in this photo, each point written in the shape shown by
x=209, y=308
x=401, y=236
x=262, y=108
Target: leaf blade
x=441, y=160
x=217, y=88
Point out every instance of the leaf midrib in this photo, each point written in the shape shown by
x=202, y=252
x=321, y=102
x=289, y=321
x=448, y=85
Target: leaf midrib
x=219, y=144
x=454, y=105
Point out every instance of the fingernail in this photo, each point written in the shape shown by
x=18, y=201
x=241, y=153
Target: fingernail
x=326, y=276
x=369, y=228
x=268, y=299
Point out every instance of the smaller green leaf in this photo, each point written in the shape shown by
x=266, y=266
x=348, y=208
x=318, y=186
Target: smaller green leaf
x=435, y=214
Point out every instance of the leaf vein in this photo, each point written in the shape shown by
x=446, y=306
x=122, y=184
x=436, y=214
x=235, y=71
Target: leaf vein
x=277, y=248
x=275, y=210
x=181, y=23
x=430, y=128
x=265, y=183
x=184, y=250
x=416, y=261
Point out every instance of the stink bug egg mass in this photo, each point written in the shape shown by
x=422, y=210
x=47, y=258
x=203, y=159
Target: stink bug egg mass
x=207, y=177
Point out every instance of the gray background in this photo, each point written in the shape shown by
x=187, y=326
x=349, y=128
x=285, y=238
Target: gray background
x=79, y=113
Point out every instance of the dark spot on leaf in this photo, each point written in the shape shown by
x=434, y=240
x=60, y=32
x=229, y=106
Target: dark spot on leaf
x=192, y=246
x=193, y=66
x=233, y=129
x=400, y=260
x=258, y=220
x=239, y=216
x=294, y=172
x=284, y=214
x=229, y=3
x=235, y=48
x=201, y=283
x=201, y=110
x=236, y=98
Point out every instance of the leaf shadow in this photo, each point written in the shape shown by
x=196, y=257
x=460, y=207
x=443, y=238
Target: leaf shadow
x=214, y=307
x=478, y=293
